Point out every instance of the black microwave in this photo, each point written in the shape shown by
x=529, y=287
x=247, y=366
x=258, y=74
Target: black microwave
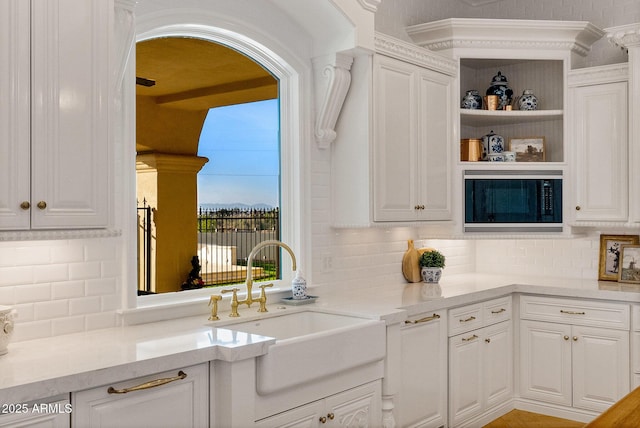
x=512, y=201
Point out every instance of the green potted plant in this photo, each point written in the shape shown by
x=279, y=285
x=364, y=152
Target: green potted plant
x=431, y=263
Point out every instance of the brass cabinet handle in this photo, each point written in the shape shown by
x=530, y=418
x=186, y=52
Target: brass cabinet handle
x=499, y=311
x=425, y=319
x=578, y=208
x=25, y=205
x=566, y=337
x=147, y=385
x=469, y=339
x=330, y=416
x=418, y=207
x=575, y=338
x=488, y=340
x=323, y=419
x=471, y=318
x=42, y=205
x=562, y=311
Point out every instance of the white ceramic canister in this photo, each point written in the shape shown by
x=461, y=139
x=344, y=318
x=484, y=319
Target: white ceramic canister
x=6, y=327
x=299, y=287
x=493, y=143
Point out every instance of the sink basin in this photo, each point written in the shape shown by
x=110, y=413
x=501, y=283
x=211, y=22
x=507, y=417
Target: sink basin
x=311, y=345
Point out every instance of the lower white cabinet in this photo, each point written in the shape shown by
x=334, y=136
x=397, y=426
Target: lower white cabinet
x=480, y=371
x=357, y=407
x=177, y=398
x=48, y=413
x=566, y=361
x=422, y=397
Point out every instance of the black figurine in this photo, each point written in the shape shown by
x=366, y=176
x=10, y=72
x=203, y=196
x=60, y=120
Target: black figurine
x=194, y=280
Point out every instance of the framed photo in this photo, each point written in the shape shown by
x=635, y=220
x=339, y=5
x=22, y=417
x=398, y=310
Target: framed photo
x=610, y=249
x=629, y=264
x=530, y=149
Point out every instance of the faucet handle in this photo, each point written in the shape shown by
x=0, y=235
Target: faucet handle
x=263, y=297
x=234, y=301
x=213, y=301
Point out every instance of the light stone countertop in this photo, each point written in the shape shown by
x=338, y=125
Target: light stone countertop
x=41, y=368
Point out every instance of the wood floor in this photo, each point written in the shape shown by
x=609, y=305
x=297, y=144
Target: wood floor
x=522, y=419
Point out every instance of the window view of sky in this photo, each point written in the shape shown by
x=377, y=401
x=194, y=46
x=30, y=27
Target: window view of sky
x=242, y=144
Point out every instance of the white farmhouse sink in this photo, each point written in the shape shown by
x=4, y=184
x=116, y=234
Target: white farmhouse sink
x=312, y=345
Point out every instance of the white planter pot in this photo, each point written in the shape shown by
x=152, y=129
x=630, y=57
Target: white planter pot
x=431, y=274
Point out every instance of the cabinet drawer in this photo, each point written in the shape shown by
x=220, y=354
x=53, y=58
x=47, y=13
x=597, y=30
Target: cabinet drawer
x=575, y=312
x=465, y=318
x=470, y=317
x=497, y=310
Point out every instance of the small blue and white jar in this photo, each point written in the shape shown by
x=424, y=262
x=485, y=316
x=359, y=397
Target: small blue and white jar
x=472, y=100
x=493, y=143
x=299, y=287
x=527, y=101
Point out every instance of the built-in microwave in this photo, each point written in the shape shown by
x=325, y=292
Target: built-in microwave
x=513, y=201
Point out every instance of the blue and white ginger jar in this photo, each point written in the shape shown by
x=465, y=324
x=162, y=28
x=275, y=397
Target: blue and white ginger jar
x=528, y=101
x=493, y=143
x=472, y=100
x=499, y=87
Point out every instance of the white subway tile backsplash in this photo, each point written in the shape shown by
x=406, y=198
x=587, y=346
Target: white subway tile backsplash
x=85, y=305
x=51, y=309
x=100, y=287
x=67, y=289
x=85, y=270
x=17, y=275
x=51, y=273
x=67, y=325
x=28, y=293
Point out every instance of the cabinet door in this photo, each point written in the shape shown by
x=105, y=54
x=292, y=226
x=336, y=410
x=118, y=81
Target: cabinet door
x=600, y=367
x=434, y=119
x=465, y=376
x=14, y=113
x=497, y=363
x=358, y=407
x=70, y=102
x=395, y=154
x=307, y=416
x=422, y=398
x=600, y=135
x=545, y=362
x=183, y=402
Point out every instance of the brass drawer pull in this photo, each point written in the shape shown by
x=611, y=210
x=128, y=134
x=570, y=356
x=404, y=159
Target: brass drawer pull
x=147, y=385
x=425, y=319
x=469, y=339
x=471, y=318
x=499, y=311
x=572, y=312
x=42, y=205
x=25, y=205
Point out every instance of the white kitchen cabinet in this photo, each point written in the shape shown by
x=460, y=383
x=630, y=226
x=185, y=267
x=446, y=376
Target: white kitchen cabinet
x=598, y=108
x=47, y=413
x=480, y=359
x=412, y=133
x=422, y=397
x=357, y=407
x=635, y=346
x=567, y=361
x=54, y=120
x=480, y=371
x=169, y=399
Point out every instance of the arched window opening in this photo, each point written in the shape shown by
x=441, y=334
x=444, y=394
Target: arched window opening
x=179, y=81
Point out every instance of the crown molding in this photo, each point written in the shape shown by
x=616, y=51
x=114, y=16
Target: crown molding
x=446, y=34
x=624, y=36
x=411, y=53
x=47, y=235
x=598, y=75
x=370, y=5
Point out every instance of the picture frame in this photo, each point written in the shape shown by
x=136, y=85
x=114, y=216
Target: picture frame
x=528, y=149
x=610, y=246
x=629, y=264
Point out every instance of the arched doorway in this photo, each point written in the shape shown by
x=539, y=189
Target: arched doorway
x=178, y=80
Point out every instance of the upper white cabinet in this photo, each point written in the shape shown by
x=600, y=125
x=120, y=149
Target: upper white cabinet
x=412, y=130
x=598, y=108
x=54, y=120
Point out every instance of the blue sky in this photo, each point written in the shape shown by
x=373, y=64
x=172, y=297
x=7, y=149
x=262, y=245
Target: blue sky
x=242, y=144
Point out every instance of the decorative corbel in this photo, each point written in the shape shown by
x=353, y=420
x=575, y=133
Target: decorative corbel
x=333, y=78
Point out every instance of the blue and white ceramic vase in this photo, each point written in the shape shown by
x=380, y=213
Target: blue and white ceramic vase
x=472, y=100
x=527, y=101
x=493, y=143
x=299, y=287
x=431, y=274
x=499, y=87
